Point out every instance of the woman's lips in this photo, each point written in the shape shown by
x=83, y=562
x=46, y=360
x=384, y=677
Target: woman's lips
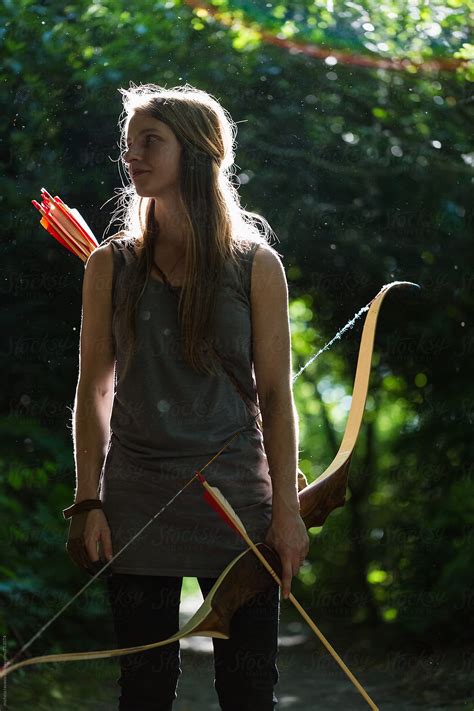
x=140, y=172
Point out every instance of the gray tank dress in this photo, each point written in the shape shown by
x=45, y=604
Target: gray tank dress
x=167, y=421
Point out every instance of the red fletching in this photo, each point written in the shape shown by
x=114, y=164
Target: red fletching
x=50, y=228
x=213, y=501
x=66, y=225
x=223, y=514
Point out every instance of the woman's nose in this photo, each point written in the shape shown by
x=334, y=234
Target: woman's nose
x=130, y=153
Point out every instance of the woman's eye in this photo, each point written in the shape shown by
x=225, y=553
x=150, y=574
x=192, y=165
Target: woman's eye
x=146, y=141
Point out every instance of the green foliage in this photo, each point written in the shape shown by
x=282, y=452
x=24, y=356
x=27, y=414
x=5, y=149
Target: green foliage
x=37, y=577
x=365, y=172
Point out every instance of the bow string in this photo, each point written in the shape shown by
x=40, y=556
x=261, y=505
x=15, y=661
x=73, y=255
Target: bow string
x=316, y=500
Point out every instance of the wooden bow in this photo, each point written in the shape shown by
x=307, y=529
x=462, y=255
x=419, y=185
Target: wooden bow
x=259, y=566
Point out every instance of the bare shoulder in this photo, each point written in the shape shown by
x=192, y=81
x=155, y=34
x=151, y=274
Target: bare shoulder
x=97, y=350
x=271, y=338
x=119, y=240
x=266, y=258
x=100, y=257
x=268, y=272
x=100, y=262
x=98, y=272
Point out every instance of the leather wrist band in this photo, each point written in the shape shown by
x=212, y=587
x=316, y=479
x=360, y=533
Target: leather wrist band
x=85, y=505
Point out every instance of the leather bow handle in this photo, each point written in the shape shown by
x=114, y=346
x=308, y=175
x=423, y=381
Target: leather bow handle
x=317, y=500
x=243, y=578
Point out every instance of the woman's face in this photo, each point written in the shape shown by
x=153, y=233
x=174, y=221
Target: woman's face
x=154, y=149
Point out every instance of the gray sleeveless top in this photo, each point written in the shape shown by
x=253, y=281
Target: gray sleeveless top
x=167, y=421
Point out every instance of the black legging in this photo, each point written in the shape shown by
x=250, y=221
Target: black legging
x=145, y=609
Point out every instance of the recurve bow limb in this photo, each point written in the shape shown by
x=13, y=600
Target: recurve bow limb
x=317, y=500
x=243, y=578
x=328, y=491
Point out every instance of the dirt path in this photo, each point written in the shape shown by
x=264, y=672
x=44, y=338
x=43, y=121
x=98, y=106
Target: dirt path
x=309, y=678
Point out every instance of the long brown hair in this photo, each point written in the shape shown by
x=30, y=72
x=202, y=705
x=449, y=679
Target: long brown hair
x=218, y=228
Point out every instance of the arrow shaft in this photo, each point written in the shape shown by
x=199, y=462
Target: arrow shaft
x=312, y=624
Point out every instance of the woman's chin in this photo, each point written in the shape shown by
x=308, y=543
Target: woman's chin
x=142, y=192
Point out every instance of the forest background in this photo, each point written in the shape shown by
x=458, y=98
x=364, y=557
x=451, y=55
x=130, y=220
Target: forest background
x=355, y=142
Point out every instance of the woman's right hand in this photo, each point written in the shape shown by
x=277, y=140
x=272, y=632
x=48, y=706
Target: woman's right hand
x=89, y=533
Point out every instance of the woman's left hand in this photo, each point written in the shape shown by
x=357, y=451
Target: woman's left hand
x=287, y=535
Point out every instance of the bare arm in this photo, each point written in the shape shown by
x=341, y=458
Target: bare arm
x=271, y=340
x=272, y=362
x=95, y=387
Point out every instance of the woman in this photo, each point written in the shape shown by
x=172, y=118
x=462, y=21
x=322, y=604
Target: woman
x=185, y=317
